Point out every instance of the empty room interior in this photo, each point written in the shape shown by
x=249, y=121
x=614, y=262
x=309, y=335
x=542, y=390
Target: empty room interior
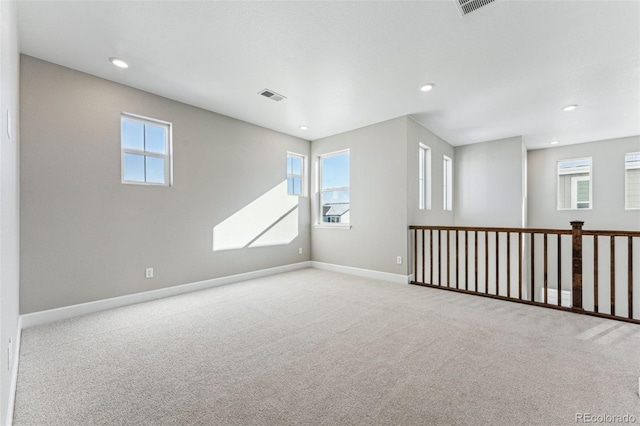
x=319, y=212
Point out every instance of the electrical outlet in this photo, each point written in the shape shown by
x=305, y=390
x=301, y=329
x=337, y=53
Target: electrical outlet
x=149, y=273
x=300, y=250
x=399, y=260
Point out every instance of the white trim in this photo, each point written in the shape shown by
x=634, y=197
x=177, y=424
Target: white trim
x=367, y=273
x=424, y=177
x=447, y=183
x=326, y=225
x=57, y=314
x=14, y=374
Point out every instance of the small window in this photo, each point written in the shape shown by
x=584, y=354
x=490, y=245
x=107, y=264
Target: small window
x=296, y=172
x=424, y=177
x=335, y=207
x=574, y=184
x=146, y=150
x=632, y=181
x=447, y=179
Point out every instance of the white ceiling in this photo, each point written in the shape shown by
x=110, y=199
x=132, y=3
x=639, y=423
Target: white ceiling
x=504, y=70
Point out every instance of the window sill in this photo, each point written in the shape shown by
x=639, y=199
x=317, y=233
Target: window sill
x=327, y=226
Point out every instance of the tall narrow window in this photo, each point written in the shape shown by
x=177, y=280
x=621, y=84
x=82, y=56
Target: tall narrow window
x=632, y=181
x=574, y=184
x=146, y=150
x=335, y=206
x=296, y=172
x=447, y=187
x=424, y=177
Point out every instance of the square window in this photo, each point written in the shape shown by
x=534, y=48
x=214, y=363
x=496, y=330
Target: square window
x=146, y=147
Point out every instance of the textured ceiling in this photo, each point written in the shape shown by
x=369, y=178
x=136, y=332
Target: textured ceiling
x=504, y=70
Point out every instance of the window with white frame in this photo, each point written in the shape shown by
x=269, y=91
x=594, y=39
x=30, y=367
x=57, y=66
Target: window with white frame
x=632, y=181
x=424, y=177
x=334, y=189
x=296, y=172
x=447, y=187
x=574, y=184
x=146, y=150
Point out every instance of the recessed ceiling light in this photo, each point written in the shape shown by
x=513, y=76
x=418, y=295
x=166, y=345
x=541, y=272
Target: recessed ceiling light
x=119, y=63
x=427, y=87
x=304, y=127
x=570, y=107
x=554, y=142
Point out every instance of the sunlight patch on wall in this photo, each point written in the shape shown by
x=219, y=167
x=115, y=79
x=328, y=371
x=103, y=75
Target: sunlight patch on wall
x=271, y=219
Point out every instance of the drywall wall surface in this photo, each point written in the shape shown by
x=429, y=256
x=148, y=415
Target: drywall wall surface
x=436, y=215
x=378, y=232
x=88, y=237
x=608, y=176
x=9, y=200
x=488, y=184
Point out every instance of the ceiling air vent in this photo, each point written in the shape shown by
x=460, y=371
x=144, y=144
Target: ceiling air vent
x=271, y=95
x=467, y=6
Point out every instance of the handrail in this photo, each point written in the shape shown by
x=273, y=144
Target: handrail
x=495, y=229
x=451, y=248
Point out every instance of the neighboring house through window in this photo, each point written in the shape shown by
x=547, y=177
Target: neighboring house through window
x=632, y=180
x=334, y=180
x=574, y=184
x=146, y=150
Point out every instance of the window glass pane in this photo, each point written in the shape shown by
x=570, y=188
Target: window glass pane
x=155, y=169
x=133, y=167
x=583, y=191
x=132, y=135
x=294, y=185
x=296, y=165
x=154, y=138
x=290, y=186
x=569, y=164
x=335, y=206
x=335, y=171
x=297, y=186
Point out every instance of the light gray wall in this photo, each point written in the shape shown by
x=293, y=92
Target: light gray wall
x=9, y=196
x=607, y=171
x=89, y=237
x=378, y=199
x=417, y=134
x=488, y=183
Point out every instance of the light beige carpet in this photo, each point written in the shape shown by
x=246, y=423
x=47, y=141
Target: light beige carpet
x=312, y=347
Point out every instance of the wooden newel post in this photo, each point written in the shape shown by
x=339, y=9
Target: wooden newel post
x=576, y=254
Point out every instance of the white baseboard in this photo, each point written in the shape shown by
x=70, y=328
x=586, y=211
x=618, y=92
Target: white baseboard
x=14, y=374
x=57, y=314
x=368, y=273
x=51, y=315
